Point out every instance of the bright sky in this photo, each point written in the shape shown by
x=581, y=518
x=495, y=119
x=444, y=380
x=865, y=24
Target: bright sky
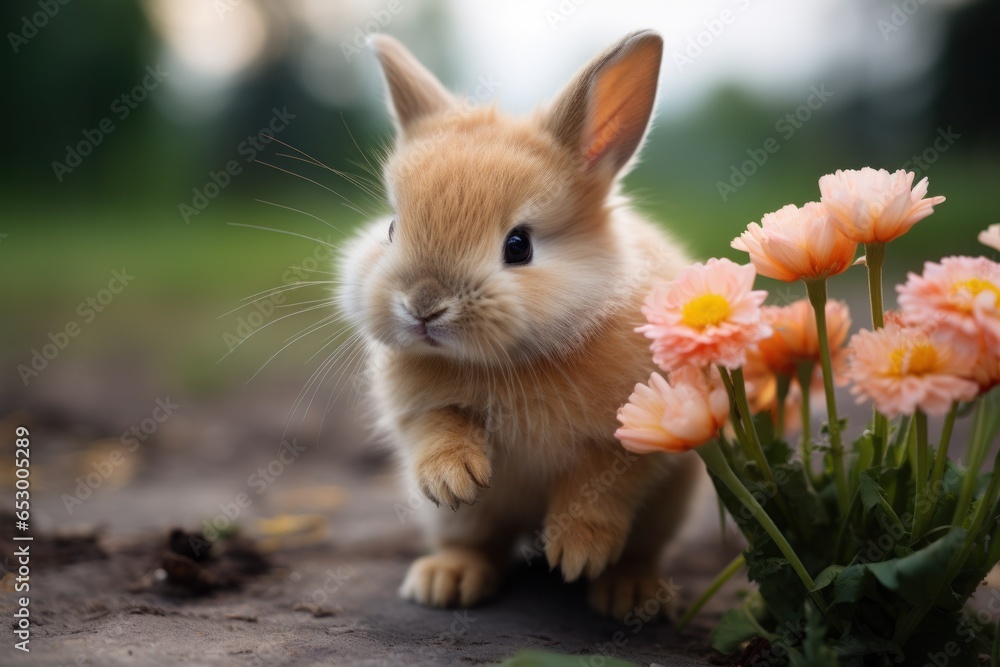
x=774, y=48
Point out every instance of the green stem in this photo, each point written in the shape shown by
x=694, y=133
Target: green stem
x=743, y=421
x=712, y=589
x=844, y=525
x=879, y=437
x=875, y=260
x=920, y=509
x=804, y=370
x=817, y=297
x=784, y=384
x=977, y=452
x=751, y=618
x=715, y=460
x=906, y=444
x=734, y=413
x=743, y=403
x=946, y=430
x=756, y=449
x=937, y=474
x=899, y=442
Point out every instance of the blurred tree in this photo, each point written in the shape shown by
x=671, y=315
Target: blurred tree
x=70, y=64
x=969, y=98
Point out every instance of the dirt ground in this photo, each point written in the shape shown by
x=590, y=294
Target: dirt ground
x=330, y=523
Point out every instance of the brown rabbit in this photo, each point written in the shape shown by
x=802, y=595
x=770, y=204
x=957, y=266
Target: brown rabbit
x=498, y=307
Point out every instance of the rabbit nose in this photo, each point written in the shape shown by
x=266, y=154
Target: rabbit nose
x=427, y=319
x=424, y=302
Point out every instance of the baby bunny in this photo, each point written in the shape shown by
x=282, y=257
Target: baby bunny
x=498, y=307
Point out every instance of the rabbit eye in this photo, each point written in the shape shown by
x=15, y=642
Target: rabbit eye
x=392, y=229
x=517, y=247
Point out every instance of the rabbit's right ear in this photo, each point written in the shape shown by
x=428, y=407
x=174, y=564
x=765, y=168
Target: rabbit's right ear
x=603, y=113
x=414, y=92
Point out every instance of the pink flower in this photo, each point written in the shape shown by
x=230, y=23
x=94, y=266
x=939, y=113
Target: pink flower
x=991, y=237
x=797, y=244
x=676, y=416
x=961, y=296
x=794, y=336
x=874, y=206
x=709, y=315
x=894, y=317
x=902, y=369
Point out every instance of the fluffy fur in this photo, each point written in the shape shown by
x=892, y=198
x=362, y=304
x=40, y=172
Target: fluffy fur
x=499, y=384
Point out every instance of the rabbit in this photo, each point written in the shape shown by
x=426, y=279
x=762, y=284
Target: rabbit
x=498, y=308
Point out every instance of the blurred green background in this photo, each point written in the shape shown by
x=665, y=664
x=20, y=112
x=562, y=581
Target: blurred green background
x=119, y=113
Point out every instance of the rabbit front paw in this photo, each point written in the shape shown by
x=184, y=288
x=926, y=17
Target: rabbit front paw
x=581, y=544
x=453, y=471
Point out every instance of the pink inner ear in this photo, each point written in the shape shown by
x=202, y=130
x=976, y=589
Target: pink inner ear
x=621, y=99
x=601, y=139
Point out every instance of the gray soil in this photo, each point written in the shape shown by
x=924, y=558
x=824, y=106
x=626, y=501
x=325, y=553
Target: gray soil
x=329, y=596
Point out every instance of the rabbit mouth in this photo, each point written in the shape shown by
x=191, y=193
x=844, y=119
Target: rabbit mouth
x=425, y=335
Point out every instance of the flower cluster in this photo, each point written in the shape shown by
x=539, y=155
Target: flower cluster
x=942, y=346
x=728, y=358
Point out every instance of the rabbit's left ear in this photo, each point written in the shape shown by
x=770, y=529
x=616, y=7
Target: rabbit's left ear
x=602, y=115
x=414, y=92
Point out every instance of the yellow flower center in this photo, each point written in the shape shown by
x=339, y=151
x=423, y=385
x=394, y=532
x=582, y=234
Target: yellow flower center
x=920, y=359
x=974, y=287
x=705, y=311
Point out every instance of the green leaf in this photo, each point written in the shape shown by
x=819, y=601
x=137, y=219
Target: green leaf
x=861, y=643
x=951, y=484
x=913, y=576
x=805, y=505
x=897, y=486
x=864, y=450
x=870, y=492
x=541, y=659
x=762, y=568
x=874, y=502
x=734, y=628
x=816, y=652
x=827, y=576
x=850, y=584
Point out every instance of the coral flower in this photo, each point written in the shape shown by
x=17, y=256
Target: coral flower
x=761, y=382
x=709, y=315
x=902, y=369
x=991, y=237
x=874, y=206
x=797, y=244
x=762, y=390
x=674, y=416
x=960, y=296
x=986, y=371
x=794, y=336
